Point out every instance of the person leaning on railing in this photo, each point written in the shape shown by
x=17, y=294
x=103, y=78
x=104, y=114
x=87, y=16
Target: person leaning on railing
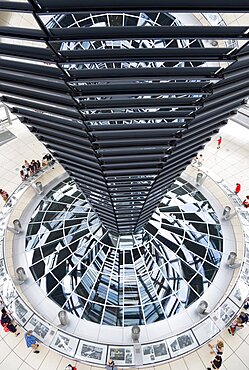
x=246, y=201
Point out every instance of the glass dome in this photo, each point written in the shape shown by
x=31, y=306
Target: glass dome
x=122, y=281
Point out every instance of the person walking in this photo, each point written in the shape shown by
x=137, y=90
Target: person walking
x=219, y=142
x=238, y=188
x=216, y=363
x=235, y=326
x=218, y=348
x=31, y=341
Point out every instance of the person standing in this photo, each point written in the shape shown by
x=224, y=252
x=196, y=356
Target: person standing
x=22, y=175
x=244, y=317
x=25, y=172
x=246, y=201
x=70, y=367
x=111, y=365
x=4, y=195
x=6, y=322
x=31, y=341
x=26, y=164
x=246, y=304
x=238, y=188
x=38, y=165
x=200, y=160
x=219, y=142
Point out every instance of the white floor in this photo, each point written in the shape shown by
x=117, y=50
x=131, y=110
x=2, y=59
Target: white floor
x=231, y=162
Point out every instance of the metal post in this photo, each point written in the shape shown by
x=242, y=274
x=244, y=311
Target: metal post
x=7, y=114
x=38, y=187
x=63, y=317
x=17, y=225
x=17, y=229
x=21, y=275
x=199, y=178
x=135, y=333
x=201, y=308
x=231, y=261
x=226, y=212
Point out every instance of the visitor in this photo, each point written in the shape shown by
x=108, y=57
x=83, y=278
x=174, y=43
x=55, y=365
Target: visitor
x=70, y=367
x=200, y=160
x=22, y=175
x=246, y=304
x=6, y=322
x=44, y=162
x=246, y=201
x=235, y=326
x=111, y=365
x=238, y=188
x=26, y=164
x=25, y=172
x=38, y=165
x=219, y=142
x=31, y=341
x=34, y=163
x=194, y=161
x=244, y=317
x=32, y=168
x=216, y=363
x=49, y=159
x=4, y=195
x=218, y=348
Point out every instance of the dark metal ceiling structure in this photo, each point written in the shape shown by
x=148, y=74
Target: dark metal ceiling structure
x=122, y=94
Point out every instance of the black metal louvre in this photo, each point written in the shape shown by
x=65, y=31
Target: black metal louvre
x=124, y=122
x=135, y=33
x=80, y=56
x=178, y=102
x=142, y=73
x=141, y=5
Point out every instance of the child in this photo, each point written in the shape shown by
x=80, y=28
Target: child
x=219, y=142
x=238, y=188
